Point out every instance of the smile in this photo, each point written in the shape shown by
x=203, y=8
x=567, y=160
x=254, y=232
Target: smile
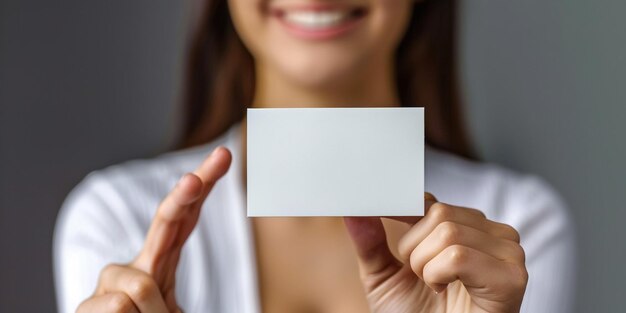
x=319, y=22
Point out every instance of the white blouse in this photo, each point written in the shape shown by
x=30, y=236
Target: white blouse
x=105, y=218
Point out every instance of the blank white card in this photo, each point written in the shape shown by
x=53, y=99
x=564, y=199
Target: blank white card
x=335, y=162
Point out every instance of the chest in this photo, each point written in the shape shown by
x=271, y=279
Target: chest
x=309, y=265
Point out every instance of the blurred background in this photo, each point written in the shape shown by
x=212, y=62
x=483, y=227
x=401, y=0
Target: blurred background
x=85, y=84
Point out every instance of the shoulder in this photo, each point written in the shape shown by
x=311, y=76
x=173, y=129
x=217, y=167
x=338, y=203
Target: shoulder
x=121, y=199
x=145, y=176
x=511, y=197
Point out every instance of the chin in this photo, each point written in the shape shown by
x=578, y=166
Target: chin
x=320, y=44
x=320, y=70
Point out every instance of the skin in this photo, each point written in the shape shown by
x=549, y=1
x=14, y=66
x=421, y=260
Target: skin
x=453, y=259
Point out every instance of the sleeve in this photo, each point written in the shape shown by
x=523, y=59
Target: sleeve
x=548, y=238
x=95, y=227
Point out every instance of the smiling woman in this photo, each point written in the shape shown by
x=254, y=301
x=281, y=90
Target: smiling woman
x=221, y=80
x=170, y=233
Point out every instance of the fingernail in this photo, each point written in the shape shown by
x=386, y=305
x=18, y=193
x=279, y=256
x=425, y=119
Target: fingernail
x=216, y=150
x=181, y=179
x=429, y=196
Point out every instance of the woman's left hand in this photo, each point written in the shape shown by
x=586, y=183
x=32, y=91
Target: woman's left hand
x=453, y=260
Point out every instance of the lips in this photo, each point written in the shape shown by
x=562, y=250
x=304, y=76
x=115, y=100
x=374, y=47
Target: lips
x=319, y=22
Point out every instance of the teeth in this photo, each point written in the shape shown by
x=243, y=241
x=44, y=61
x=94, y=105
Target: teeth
x=316, y=19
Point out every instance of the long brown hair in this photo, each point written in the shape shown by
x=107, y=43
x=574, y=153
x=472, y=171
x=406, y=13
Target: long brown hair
x=219, y=82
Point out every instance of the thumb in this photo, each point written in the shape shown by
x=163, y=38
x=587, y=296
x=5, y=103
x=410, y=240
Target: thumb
x=376, y=262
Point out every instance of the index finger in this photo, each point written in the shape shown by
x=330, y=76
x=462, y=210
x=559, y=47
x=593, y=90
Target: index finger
x=175, y=214
x=429, y=200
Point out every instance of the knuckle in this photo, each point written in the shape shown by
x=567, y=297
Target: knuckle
x=524, y=275
x=404, y=248
x=521, y=277
x=141, y=288
x=119, y=303
x=511, y=232
x=108, y=271
x=440, y=212
x=161, y=213
x=457, y=255
x=416, y=264
x=449, y=232
x=82, y=307
x=518, y=253
x=478, y=212
x=429, y=274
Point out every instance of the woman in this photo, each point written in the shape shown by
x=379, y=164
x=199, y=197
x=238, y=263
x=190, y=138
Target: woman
x=139, y=238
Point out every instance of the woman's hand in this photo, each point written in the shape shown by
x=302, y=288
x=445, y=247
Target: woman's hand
x=453, y=260
x=147, y=284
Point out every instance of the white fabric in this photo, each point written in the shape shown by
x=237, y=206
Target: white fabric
x=105, y=218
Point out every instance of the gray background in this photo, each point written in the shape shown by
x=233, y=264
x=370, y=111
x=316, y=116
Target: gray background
x=85, y=84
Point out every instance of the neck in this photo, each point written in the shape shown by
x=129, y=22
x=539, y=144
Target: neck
x=372, y=87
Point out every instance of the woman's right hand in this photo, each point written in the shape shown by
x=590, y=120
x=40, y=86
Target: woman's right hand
x=147, y=284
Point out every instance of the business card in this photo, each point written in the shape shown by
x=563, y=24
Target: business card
x=335, y=162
